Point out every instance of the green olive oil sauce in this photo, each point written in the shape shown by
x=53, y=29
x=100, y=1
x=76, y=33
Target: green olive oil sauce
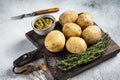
x=43, y=23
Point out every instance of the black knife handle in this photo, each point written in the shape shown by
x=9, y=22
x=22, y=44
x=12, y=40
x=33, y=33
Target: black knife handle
x=28, y=57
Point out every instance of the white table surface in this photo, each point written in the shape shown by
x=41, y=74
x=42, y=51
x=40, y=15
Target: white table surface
x=13, y=42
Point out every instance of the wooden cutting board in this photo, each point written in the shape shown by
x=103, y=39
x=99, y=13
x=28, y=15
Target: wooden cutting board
x=38, y=41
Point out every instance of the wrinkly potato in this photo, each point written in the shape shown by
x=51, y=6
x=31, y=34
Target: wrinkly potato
x=76, y=45
x=84, y=20
x=71, y=30
x=68, y=16
x=92, y=34
x=54, y=41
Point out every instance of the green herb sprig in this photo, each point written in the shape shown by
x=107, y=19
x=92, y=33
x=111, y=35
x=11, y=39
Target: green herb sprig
x=91, y=54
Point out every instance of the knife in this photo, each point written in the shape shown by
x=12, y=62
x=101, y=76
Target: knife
x=50, y=10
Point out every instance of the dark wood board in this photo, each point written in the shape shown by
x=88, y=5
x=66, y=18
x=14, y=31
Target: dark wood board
x=38, y=41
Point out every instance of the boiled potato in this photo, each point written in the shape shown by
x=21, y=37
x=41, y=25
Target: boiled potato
x=68, y=16
x=91, y=34
x=76, y=45
x=84, y=20
x=54, y=41
x=71, y=30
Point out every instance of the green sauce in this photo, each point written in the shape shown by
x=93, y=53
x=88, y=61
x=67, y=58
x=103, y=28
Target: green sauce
x=43, y=23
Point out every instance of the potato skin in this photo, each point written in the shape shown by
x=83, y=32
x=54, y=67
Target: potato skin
x=92, y=34
x=71, y=30
x=76, y=45
x=84, y=20
x=54, y=41
x=68, y=16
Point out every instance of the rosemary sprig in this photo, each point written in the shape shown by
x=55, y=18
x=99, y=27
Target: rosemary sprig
x=91, y=54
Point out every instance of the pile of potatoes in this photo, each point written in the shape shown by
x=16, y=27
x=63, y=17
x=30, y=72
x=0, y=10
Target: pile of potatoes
x=79, y=31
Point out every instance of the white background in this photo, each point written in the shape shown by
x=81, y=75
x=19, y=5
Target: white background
x=13, y=42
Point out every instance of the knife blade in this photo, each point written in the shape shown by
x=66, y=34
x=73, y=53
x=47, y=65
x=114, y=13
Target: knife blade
x=50, y=10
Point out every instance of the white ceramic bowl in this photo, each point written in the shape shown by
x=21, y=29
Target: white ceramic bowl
x=43, y=32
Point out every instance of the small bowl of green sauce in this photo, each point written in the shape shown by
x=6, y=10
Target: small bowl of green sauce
x=43, y=24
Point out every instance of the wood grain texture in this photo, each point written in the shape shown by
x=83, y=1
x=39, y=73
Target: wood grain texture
x=13, y=43
x=59, y=75
x=50, y=10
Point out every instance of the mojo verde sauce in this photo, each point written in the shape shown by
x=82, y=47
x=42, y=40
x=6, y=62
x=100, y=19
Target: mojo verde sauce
x=43, y=23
